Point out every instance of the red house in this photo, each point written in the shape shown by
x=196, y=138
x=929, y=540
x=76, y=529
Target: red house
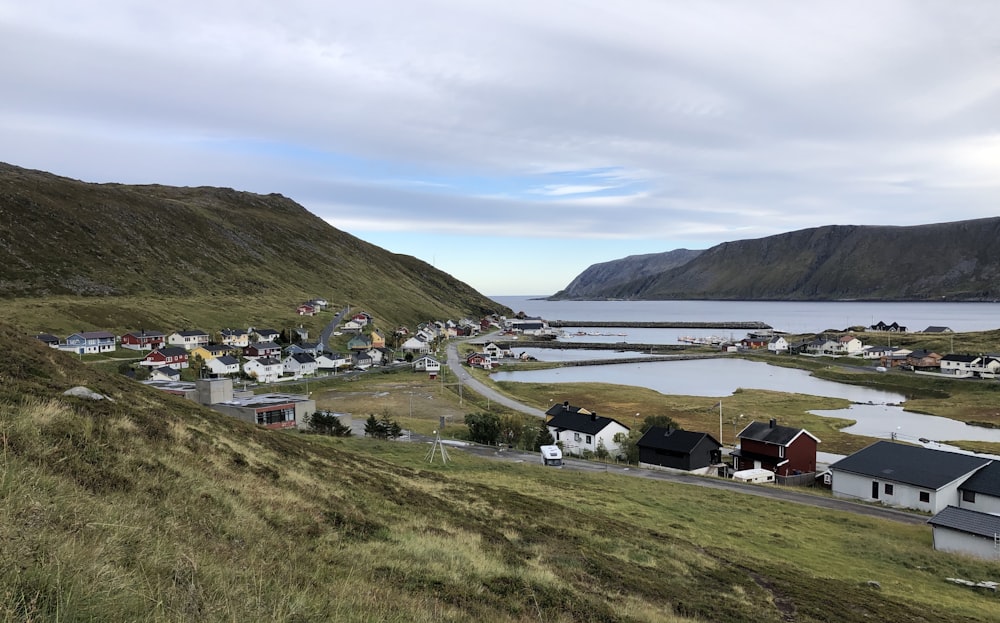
x=144, y=340
x=173, y=356
x=782, y=449
x=479, y=360
x=306, y=309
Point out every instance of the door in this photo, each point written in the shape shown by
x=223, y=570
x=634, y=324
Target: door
x=874, y=489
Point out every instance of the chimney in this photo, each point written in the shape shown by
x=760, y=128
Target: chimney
x=670, y=430
x=772, y=423
x=566, y=405
x=593, y=416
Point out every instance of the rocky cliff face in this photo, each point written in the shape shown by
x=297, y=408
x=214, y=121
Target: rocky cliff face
x=957, y=261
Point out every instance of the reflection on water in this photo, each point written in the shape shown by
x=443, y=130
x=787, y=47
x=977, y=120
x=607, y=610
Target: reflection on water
x=876, y=417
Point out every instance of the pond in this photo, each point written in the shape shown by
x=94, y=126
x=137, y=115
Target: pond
x=877, y=414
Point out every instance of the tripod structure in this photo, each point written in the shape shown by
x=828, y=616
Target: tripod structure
x=437, y=446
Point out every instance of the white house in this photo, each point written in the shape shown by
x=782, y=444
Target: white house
x=331, y=361
x=578, y=430
x=959, y=365
x=849, y=345
x=905, y=476
x=223, y=365
x=88, y=342
x=777, y=344
x=188, y=340
x=496, y=352
x=264, y=369
x=981, y=492
x=427, y=364
x=416, y=346
x=300, y=364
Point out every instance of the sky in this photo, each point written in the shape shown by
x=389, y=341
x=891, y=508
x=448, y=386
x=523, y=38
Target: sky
x=513, y=144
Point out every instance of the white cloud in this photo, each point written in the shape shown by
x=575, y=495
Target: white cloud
x=664, y=122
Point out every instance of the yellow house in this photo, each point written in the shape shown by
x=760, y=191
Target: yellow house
x=211, y=351
x=378, y=340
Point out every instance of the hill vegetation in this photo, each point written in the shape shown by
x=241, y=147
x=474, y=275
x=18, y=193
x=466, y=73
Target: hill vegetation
x=146, y=507
x=946, y=261
x=87, y=242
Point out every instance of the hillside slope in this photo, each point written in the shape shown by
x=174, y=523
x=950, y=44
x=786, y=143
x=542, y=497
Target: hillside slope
x=626, y=274
x=151, y=508
x=63, y=236
x=947, y=261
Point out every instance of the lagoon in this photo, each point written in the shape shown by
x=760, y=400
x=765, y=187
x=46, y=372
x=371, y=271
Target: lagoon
x=877, y=414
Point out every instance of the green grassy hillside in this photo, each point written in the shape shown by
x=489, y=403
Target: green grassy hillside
x=150, y=508
x=93, y=241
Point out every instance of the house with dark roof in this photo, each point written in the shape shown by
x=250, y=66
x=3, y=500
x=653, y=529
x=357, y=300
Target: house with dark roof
x=189, y=339
x=300, y=364
x=579, y=430
x=143, y=339
x=87, y=342
x=784, y=450
x=173, y=356
x=923, y=359
x=262, y=349
x=678, y=449
x=981, y=491
x=223, y=365
x=959, y=365
x=165, y=373
x=966, y=532
x=48, y=339
x=906, y=476
x=937, y=329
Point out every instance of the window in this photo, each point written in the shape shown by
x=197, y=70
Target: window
x=925, y=496
x=969, y=496
x=888, y=489
x=576, y=436
x=781, y=452
x=589, y=441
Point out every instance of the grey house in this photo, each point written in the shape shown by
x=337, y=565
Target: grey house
x=677, y=449
x=967, y=532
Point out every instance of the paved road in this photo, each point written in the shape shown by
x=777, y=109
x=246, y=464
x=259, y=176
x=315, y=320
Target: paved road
x=774, y=493
x=767, y=491
x=324, y=336
x=455, y=365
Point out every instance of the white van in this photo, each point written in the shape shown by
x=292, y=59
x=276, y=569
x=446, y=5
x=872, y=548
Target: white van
x=551, y=456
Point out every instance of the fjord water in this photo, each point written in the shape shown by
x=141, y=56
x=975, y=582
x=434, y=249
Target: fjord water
x=787, y=316
x=875, y=412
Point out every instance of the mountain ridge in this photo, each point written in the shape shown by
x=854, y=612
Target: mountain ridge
x=944, y=261
x=68, y=237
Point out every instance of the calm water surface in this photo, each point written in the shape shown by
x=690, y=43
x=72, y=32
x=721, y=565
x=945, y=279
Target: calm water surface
x=721, y=377
x=792, y=317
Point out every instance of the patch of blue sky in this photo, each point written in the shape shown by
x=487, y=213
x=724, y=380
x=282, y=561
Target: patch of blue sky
x=544, y=186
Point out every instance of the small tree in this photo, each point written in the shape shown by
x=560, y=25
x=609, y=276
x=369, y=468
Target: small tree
x=543, y=438
x=326, y=423
x=602, y=450
x=664, y=421
x=373, y=428
x=483, y=427
x=627, y=442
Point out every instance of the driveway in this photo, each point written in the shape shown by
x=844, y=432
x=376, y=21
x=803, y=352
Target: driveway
x=455, y=365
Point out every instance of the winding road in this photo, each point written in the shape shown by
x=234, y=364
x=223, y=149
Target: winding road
x=767, y=491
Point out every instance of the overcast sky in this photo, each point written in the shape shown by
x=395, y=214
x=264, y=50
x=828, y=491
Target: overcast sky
x=513, y=144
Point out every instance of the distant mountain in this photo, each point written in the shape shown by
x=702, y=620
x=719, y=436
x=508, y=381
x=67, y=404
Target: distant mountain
x=956, y=261
x=623, y=275
x=63, y=236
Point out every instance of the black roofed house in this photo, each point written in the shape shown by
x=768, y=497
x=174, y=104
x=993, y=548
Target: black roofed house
x=144, y=339
x=906, y=476
x=785, y=450
x=959, y=365
x=262, y=349
x=223, y=365
x=579, y=430
x=173, y=356
x=981, y=491
x=48, y=339
x=678, y=449
x=936, y=329
x=967, y=532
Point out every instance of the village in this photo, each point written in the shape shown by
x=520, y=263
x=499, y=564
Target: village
x=959, y=492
